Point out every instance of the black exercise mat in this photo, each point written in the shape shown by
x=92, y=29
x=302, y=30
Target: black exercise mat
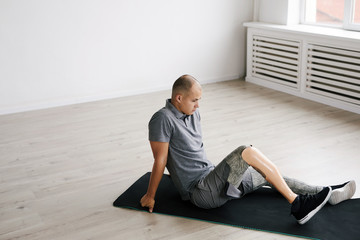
x=264, y=210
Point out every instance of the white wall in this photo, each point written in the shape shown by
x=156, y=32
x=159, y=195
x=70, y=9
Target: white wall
x=57, y=52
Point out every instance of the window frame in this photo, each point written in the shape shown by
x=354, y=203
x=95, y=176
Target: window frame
x=348, y=21
x=349, y=12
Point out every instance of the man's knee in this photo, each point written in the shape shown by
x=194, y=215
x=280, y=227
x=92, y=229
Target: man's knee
x=241, y=149
x=235, y=159
x=247, y=152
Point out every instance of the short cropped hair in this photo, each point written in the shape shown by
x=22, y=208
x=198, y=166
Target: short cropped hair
x=183, y=85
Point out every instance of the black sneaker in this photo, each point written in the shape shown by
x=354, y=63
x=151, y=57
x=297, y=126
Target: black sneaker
x=306, y=206
x=342, y=192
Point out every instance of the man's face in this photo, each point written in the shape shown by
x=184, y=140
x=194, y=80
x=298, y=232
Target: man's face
x=190, y=102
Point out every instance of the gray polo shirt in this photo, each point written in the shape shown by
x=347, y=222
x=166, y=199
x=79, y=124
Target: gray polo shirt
x=187, y=162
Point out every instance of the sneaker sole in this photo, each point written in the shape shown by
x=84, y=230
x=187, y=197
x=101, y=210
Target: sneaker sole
x=344, y=193
x=313, y=212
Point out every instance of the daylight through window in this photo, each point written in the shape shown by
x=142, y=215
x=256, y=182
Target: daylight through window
x=332, y=13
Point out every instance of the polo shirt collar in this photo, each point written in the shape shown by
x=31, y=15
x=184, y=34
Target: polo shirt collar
x=174, y=110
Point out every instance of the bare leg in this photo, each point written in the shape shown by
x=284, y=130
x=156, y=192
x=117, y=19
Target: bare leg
x=269, y=171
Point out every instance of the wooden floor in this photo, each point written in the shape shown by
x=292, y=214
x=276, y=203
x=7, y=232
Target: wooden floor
x=62, y=168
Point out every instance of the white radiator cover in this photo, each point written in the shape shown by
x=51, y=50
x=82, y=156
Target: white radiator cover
x=317, y=68
x=276, y=60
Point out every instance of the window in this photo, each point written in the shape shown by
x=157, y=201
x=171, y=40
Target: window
x=333, y=13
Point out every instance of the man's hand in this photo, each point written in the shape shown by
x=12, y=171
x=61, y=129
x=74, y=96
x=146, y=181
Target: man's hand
x=148, y=202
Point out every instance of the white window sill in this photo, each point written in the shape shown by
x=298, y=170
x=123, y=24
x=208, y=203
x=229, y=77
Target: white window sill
x=334, y=33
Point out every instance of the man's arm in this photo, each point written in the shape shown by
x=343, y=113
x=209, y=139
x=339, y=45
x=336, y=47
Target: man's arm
x=160, y=152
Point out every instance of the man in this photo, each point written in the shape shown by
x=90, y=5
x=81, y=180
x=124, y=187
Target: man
x=176, y=142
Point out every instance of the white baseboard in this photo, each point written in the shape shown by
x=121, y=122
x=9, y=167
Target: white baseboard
x=97, y=97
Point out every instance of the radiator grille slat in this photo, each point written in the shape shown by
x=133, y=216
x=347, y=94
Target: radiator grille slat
x=277, y=64
x=278, y=40
x=275, y=52
x=336, y=70
x=335, y=51
x=333, y=73
x=312, y=72
x=339, y=58
x=285, y=70
x=336, y=63
x=335, y=83
x=280, y=78
x=276, y=60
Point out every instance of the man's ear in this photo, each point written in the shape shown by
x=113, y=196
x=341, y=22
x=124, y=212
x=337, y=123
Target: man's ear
x=178, y=98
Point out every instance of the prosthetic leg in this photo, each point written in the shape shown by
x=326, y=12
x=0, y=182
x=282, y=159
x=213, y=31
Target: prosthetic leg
x=303, y=207
x=269, y=171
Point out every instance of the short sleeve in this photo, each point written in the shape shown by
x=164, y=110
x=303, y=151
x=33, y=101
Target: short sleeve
x=160, y=127
x=198, y=114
